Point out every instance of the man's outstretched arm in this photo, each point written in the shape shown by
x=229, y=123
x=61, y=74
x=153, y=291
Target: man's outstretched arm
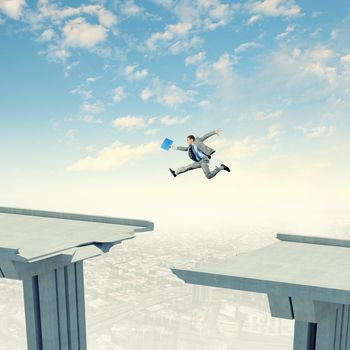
x=179, y=148
x=210, y=134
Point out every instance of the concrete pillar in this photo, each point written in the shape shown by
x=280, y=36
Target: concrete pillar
x=333, y=330
x=304, y=335
x=318, y=325
x=55, y=309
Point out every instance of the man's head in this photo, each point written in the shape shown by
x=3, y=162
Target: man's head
x=190, y=139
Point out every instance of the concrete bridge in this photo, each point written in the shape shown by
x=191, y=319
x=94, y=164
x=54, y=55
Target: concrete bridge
x=306, y=279
x=46, y=251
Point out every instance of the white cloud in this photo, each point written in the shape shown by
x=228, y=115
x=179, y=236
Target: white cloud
x=268, y=115
x=253, y=19
x=218, y=11
x=172, y=31
x=246, y=46
x=193, y=59
x=12, y=8
x=209, y=25
x=223, y=63
x=346, y=58
x=295, y=66
x=316, y=14
x=93, y=108
x=204, y=103
x=69, y=67
x=130, y=72
x=53, y=12
x=129, y=8
x=316, y=131
x=56, y=53
x=275, y=8
x=219, y=72
x=193, y=17
x=90, y=119
x=106, y=18
x=170, y=121
x=113, y=157
x=79, y=33
x=248, y=146
x=185, y=45
x=204, y=14
x=71, y=134
x=273, y=132
x=316, y=63
x=151, y=120
x=65, y=33
x=173, y=96
x=79, y=90
x=132, y=122
x=166, y=3
x=118, y=94
x=129, y=122
x=229, y=86
x=146, y=94
x=290, y=28
x=46, y=35
x=92, y=79
x=167, y=94
x=295, y=75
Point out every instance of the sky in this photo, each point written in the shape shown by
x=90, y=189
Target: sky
x=90, y=89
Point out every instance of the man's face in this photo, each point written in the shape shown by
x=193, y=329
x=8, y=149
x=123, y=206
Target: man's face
x=189, y=141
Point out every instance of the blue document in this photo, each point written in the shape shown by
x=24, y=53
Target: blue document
x=166, y=144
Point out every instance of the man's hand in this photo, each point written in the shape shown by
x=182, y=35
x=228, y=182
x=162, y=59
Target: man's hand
x=218, y=132
x=173, y=146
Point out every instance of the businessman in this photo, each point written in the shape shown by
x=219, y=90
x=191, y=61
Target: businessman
x=200, y=154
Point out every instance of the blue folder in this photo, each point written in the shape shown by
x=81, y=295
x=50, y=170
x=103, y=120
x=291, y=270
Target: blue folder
x=166, y=144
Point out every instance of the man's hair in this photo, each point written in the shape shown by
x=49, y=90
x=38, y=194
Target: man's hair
x=191, y=137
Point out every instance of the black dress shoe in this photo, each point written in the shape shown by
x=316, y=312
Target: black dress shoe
x=172, y=172
x=226, y=167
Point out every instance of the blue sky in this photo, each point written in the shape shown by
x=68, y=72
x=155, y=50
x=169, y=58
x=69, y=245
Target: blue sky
x=90, y=89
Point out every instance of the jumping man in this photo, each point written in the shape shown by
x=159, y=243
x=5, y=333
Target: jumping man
x=200, y=154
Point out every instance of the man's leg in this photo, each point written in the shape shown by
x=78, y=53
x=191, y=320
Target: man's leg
x=192, y=166
x=205, y=166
